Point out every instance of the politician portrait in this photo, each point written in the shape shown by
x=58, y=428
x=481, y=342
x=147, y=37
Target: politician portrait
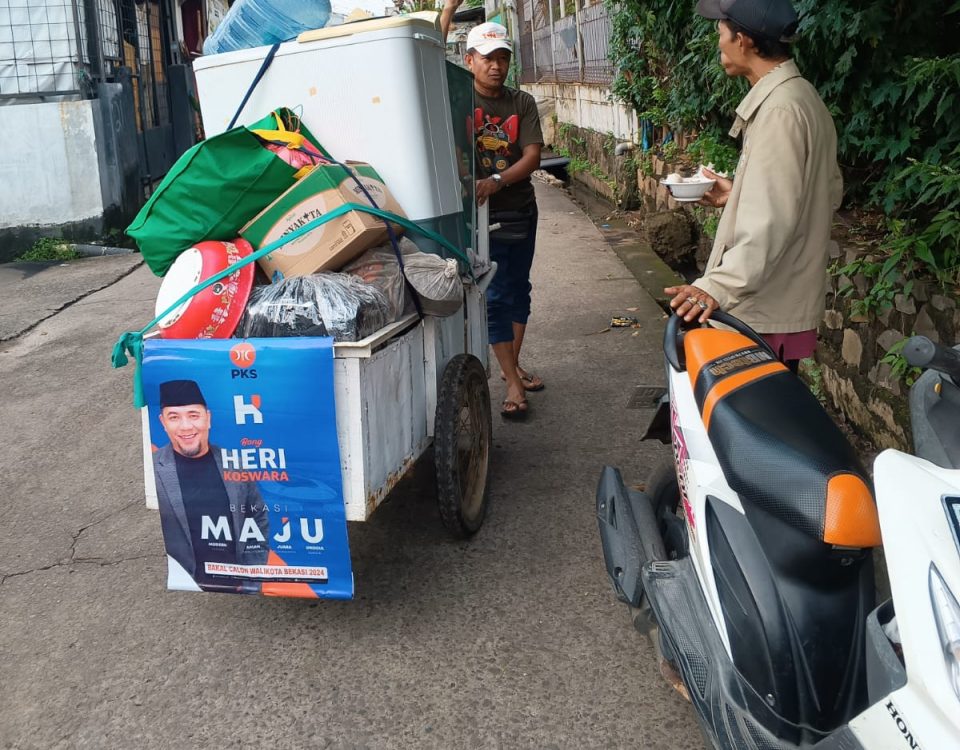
x=206, y=519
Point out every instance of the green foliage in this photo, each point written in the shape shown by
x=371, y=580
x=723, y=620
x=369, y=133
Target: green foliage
x=812, y=374
x=579, y=163
x=889, y=72
x=929, y=230
x=709, y=220
x=711, y=148
x=900, y=369
x=49, y=248
x=890, y=274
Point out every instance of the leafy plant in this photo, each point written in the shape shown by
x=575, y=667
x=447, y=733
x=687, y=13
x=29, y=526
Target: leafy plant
x=889, y=72
x=712, y=148
x=900, y=369
x=812, y=374
x=49, y=248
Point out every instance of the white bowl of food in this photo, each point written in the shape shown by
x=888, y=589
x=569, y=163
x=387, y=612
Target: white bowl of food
x=687, y=189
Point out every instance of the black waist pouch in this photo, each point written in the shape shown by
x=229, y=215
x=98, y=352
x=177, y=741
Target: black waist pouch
x=514, y=225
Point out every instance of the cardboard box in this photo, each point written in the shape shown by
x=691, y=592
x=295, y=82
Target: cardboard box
x=332, y=245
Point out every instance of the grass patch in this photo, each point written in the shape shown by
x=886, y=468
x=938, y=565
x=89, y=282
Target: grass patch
x=48, y=248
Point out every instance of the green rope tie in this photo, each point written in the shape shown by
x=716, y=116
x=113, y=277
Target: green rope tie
x=130, y=344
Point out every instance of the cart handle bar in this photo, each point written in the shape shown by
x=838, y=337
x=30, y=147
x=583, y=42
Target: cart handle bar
x=131, y=342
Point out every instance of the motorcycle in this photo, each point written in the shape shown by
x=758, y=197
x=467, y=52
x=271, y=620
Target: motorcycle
x=749, y=560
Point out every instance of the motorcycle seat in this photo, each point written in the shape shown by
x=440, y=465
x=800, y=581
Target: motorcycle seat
x=777, y=446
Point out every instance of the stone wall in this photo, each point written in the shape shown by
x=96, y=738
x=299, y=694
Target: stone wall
x=654, y=196
x=595, y=163
x=852, y=346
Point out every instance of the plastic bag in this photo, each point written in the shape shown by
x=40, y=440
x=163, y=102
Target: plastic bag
x=380, y=268
x=324, y=304
x=435, y=280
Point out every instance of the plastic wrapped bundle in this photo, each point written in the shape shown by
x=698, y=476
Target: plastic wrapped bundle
x=324, y=304
x=436, y=280
x=379, y=267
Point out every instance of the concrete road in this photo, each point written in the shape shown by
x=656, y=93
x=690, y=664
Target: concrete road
x=511, y=640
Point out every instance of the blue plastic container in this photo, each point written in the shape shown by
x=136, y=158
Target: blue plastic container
x=255, y=23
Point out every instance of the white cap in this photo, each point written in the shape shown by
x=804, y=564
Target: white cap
x=486, y=37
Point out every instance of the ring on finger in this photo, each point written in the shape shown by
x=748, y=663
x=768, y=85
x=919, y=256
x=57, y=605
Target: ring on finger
x=703, y=305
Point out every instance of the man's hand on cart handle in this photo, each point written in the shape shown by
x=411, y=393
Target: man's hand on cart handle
x=486, y=188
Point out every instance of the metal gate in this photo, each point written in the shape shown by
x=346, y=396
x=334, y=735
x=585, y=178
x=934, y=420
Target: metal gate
x=565, y=41
x=137, y=36
x=54, y=50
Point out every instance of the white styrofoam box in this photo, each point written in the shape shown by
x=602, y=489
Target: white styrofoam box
x=373, y=91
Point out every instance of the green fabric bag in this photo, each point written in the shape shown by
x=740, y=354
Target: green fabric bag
x=215, y=188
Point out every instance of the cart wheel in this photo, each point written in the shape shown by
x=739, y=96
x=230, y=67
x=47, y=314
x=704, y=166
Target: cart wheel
x=462, y=435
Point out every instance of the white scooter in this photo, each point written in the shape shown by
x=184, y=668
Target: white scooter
x=750, y=562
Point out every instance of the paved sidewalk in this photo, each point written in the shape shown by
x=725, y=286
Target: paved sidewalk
x=31, y=292
x=512, y=640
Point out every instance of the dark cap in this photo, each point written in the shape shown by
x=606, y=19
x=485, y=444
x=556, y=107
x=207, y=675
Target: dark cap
x=180, y=393
x=768, y=19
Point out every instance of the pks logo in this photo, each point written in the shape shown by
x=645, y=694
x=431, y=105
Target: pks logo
x=243, y=356
x=242, y=410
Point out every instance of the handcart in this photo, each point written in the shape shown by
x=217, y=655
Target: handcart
x=419, y=381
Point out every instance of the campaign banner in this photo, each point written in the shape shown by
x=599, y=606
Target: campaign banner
x=247, y=466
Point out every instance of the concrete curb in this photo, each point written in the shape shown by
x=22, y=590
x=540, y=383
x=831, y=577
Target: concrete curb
x=94, y=251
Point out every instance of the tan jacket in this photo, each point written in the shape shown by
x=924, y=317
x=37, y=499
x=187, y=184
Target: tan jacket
x=769, y=259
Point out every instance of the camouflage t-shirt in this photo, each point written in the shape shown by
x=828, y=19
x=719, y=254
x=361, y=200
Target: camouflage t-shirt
x=503, y=127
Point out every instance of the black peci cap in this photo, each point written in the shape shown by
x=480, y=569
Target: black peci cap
x=180, y=393
x=768, y=19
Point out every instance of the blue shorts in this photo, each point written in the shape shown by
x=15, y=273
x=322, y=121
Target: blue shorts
x=508, y=296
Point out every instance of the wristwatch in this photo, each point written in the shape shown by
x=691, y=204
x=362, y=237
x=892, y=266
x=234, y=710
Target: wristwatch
x=498, y=178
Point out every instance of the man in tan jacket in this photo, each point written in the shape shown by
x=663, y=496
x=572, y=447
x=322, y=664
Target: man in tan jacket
x=769, y=258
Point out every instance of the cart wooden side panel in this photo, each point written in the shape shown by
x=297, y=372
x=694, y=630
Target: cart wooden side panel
x=381, y=422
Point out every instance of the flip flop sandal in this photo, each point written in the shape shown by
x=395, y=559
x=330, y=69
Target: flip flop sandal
x=513, y=410
x=531, y=383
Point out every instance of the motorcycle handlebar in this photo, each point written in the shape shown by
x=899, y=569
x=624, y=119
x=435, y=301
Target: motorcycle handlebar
x=920, y=351
x=676, y=323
